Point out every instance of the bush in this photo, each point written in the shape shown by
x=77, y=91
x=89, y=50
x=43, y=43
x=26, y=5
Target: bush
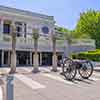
x=90, y=55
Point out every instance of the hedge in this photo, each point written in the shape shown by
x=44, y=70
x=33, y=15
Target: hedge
x=90, y=55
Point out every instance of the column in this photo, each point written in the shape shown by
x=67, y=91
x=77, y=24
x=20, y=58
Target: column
x=9, y=58
x=1, y=26
x=54, y=62
x=67, y=49
x=2, y=60
x=40, y=58
x=23, y=31
x=36, y=63
x=30, y=57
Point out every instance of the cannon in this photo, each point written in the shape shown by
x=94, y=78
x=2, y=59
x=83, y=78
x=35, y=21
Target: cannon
x=70, y=68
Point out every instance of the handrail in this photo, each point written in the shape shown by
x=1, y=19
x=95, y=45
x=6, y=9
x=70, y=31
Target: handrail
x=43, y=41
x=83, y=42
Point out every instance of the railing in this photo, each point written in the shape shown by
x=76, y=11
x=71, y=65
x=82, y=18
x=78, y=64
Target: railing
x=23, y=40
x=5, y=38
x=45, y=42
x=60, y=43
x=83, y=42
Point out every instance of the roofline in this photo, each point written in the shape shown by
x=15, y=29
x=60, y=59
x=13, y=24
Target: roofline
x=25, y=12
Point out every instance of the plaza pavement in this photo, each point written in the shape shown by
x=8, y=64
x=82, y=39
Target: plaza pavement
x=1, y=89
x=47, y=85
x=1, y=93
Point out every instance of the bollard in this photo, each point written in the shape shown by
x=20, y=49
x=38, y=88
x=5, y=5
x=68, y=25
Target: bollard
x=10, y=87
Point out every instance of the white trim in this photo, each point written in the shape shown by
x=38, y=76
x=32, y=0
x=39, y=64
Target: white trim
x=26, y=16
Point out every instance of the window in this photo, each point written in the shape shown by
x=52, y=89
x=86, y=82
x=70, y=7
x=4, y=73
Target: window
x=45, y=30
x=25, y=30
x=19, y=28
x=6, y=28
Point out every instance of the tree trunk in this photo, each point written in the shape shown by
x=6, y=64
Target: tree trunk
x=13, y=53
x=13, y=62
x=54, y=57
x=67, y=49
x=35, y=59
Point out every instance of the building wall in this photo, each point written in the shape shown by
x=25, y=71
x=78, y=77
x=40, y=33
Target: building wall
x=32, y=20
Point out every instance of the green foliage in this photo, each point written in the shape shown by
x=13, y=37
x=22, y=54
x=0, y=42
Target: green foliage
x=62, y=30
x=69, y=35
x=77, y=35
x=91, y=55
x=89, y=25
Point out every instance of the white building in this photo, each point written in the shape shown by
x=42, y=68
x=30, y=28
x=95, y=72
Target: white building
x=25, y=21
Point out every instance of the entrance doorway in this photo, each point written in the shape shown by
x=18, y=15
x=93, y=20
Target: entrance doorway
x=5, y=57
x=23, y=58
x=46, y=59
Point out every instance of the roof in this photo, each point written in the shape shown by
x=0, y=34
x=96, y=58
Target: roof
x=25, y=12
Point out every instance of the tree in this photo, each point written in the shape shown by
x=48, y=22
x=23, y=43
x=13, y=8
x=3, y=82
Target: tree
x=76, y=35
x=67, y=36
x=13, y=52
x=89, y=25
x=54, y=57
x=35, y=58
x=61, y=29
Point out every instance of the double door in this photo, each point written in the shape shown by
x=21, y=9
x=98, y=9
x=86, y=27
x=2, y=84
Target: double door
x=23, y=58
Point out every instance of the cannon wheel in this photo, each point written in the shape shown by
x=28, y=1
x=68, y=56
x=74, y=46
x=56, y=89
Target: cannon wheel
x=69, y=69
x=86, y=70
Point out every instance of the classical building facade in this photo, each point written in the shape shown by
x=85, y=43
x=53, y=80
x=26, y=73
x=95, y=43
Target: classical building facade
x=25, y=22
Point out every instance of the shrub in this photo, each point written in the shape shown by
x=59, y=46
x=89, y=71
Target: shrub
x=90, y=55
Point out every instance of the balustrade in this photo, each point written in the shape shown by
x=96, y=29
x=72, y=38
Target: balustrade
x=45, y=42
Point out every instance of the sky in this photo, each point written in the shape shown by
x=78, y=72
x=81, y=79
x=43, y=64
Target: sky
x=65, y=12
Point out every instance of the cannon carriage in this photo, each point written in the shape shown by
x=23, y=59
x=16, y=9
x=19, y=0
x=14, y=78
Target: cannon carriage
x=70, y=68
